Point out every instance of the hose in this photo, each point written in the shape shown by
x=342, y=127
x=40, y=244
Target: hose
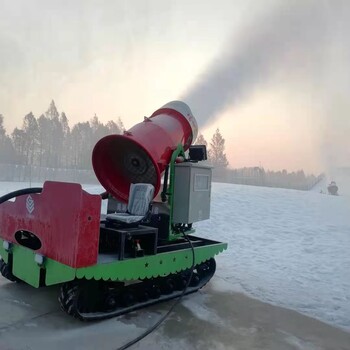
x=18, y=193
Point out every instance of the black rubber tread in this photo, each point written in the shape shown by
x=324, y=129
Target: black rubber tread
x=70, y=293
x=68, y=298
x=6, y=272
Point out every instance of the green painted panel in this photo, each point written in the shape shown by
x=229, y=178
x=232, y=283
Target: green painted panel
x=24, y=266
x=58, y=273
x=3, y=253
x=150, y=266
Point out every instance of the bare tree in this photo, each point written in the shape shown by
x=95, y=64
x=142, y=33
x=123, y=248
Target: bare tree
x=99, y=130
x=7, y=152
x=2, y=128
x=44, y=141
x=30, y=134
x=201, y=140
x=217, y=154
x=18, y=139
x=66, y=148
x=56, y=135
x=115, y=128
x=81, y=145
x=120, y=125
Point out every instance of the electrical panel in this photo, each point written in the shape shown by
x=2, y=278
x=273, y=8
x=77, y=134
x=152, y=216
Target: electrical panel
x=192, y=191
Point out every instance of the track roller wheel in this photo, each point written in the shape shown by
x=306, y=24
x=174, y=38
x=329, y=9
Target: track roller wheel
x=128, y=298
x=110, y=302
x=143, y=295
x=154, y=291
x=6, y=272
x=167, y=286
x=195, y=279
x=79, y=297
x=68, y=299
x=209, y=265
x=181, y=281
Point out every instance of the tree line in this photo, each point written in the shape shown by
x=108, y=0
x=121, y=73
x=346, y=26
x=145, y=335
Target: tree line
x=255, y=176
x=48, y=141
x=258, y=176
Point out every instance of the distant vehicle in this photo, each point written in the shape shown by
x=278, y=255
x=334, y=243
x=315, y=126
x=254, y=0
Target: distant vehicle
x=333, y=189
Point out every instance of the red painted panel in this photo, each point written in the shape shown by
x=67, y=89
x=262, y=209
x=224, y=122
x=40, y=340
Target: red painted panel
x=64, y=217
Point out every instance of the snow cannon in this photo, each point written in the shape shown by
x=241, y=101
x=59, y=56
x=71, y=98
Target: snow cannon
x=133, y=255
x=143, y=152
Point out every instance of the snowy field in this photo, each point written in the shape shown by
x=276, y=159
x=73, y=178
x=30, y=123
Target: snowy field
x=288, y=248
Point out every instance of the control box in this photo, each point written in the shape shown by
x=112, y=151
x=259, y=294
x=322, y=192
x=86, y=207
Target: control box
x=192, y=192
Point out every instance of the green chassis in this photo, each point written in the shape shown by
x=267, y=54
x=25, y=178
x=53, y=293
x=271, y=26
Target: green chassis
x=51, y=272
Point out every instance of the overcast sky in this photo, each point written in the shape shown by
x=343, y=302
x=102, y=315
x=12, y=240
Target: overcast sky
x=127, y=58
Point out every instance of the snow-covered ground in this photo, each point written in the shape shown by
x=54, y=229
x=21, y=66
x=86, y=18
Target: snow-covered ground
x=289, y=248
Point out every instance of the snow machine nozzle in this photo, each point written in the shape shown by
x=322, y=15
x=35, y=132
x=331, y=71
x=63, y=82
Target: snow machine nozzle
x=142, y=153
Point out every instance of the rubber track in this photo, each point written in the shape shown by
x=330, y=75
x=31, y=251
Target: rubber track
x=69, y=295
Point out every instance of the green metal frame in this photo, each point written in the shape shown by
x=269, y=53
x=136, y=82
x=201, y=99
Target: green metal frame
x=26, y=269
x=179, y=151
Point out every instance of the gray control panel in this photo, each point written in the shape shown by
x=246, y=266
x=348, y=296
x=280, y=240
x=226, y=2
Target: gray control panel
x=192, y=191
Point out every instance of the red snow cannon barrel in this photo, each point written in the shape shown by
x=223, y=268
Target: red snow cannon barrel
x=142, y=153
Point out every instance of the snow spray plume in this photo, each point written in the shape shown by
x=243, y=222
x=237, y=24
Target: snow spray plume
x=298, y=28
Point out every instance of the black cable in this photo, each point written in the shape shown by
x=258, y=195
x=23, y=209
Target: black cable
x=104, y=195
x=18, y=193
x=163, y=318
x=165, y=184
